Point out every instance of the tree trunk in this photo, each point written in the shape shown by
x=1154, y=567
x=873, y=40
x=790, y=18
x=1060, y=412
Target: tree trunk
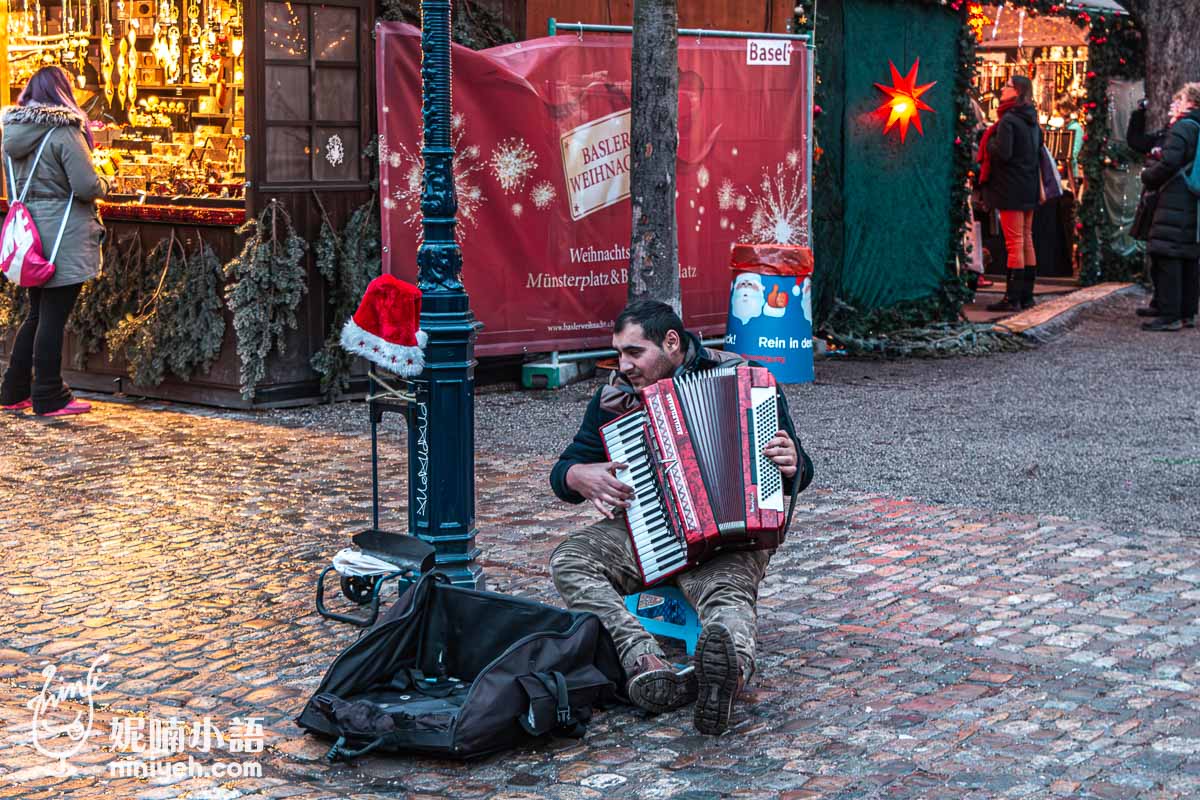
x=654, y=248
x=1171, y=28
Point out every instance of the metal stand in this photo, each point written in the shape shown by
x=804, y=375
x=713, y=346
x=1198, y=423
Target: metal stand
x=385, y=396
x=407, y=557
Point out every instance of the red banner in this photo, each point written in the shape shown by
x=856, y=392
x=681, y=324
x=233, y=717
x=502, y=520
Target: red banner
x=541, y=137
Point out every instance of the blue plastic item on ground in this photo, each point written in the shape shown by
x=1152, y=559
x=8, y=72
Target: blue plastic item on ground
x=671, y=616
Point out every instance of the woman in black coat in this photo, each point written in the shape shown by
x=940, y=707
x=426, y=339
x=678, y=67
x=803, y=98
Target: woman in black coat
x=1173, y=244
x=1010, y=180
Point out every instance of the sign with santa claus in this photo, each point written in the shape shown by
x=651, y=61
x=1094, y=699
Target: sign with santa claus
x=770, y=309
x=542, y=139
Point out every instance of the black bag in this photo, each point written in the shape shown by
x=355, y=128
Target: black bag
x=1143, y=217
x=457, y=672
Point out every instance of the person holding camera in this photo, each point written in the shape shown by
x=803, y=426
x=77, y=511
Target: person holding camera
x=1173, y=244
x=1149, y=144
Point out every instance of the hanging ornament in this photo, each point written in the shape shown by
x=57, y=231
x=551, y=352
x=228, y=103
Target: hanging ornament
x=106, y=61
x=123, y=69
x=174, y=55
x=335, y=151
x=131, y=56
x=904, y=105
x=159, y=47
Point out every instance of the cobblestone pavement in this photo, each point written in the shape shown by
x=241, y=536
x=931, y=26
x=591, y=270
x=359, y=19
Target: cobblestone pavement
x=907, y=650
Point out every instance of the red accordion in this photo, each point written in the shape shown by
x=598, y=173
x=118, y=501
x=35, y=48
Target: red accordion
x=701, y=483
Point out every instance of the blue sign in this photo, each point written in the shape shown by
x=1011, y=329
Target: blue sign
x=770, y=321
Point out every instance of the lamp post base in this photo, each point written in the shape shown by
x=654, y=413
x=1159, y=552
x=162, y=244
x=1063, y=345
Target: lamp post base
x=442, y=439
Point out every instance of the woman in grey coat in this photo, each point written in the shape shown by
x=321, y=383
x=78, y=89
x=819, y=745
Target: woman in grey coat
x=47, y=110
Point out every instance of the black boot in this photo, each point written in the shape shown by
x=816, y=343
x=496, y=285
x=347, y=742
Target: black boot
x=1163, y=324
x=1027, y=286
x=1011, y=301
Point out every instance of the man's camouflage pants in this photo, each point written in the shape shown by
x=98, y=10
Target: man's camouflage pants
x=594, y=569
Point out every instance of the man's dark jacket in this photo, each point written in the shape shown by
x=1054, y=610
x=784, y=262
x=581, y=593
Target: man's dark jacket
x=1015, y=152
x=619, y=397
x=1173, y=232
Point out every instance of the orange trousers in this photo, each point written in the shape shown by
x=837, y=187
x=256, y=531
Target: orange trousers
x=1018, y=238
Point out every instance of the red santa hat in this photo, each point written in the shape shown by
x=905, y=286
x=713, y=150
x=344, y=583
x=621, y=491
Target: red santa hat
x=385, y=329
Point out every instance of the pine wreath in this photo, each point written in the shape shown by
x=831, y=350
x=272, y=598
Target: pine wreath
x=347, y=263
x=267, y=280
x=180, y=327
x=924, y=328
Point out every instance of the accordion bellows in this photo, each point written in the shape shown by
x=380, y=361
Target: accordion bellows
x=694, y=459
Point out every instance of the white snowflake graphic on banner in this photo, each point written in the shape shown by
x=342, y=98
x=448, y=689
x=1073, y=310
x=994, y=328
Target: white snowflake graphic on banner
x=466, y=189
x=543, y=195
x=726, y=195
x=780, y=210
x=512, y=163
x=335, y=151
x=518, y=209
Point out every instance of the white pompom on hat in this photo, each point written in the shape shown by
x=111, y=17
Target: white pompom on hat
x=386, y=328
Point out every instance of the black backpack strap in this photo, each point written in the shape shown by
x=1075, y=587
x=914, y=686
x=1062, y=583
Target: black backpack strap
x=564, y=722
x=339, y=749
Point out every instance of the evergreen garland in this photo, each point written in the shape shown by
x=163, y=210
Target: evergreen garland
x=347, y=263
x=105, y=301
x=938, y=340
x=267, y=280
x=1116, y=50
x=180, y=327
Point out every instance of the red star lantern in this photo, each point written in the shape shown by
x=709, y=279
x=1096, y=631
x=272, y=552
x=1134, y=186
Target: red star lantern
x=904, y=100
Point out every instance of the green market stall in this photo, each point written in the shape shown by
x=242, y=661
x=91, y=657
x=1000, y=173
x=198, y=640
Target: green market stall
x=891, y=206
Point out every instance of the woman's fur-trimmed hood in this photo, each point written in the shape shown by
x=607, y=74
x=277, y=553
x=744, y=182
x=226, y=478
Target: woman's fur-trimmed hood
x=24, y=126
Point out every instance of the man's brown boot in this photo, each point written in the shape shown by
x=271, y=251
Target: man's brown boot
x=657, y=686
x=719, y=676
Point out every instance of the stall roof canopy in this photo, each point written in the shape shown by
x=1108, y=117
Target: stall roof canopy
x=1102, y=5
x=1041, y=30
x=1015, y=30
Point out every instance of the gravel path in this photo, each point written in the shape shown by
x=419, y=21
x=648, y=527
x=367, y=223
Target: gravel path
x=1100, y=424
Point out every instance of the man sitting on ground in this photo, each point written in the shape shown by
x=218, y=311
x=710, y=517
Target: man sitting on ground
x=594, y=568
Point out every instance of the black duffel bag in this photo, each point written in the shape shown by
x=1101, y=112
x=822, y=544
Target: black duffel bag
x=456, y=672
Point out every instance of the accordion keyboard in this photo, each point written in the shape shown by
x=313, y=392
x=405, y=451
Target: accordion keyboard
x=764, y=422
x=659, y=552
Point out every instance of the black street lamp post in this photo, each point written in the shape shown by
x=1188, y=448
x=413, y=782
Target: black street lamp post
x=441, y=464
